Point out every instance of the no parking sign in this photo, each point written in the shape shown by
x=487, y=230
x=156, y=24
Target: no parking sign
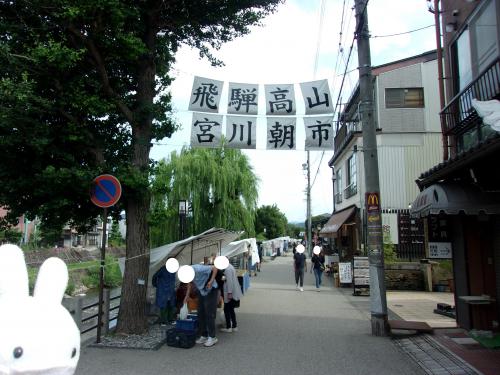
x=106, y=190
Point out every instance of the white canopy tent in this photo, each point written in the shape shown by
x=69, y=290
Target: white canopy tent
x=248, y=245
x=278, y=244
x=191, y=250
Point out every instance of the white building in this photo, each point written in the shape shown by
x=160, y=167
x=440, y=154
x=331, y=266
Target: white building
x=406, y=108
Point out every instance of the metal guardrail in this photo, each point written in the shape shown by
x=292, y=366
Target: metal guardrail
x=345, y=134
x=86, y=316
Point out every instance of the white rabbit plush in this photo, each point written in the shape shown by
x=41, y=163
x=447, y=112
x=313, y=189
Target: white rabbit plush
x=37, y=334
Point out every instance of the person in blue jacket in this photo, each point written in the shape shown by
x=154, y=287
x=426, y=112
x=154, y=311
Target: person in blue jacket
x=164, y=282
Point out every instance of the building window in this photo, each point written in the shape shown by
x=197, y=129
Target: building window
x=462, y=61
x=351, y=171
x=338, y=186
x=351, y=188
x=476, y=47
x=404, y=97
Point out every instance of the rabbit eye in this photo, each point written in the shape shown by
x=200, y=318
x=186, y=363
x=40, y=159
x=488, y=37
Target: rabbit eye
x=18, y=352
x=73, y=353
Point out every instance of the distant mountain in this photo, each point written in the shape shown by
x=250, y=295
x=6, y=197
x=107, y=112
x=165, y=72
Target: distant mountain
x=300, y=224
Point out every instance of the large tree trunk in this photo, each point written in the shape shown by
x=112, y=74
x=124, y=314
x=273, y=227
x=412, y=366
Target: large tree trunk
x=132, y=314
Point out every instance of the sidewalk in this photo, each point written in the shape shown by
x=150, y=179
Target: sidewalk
x=449, y=350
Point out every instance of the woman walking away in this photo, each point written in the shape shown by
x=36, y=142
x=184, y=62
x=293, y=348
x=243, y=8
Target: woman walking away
x=232, y=296
x=318, y=265
x=299, y=266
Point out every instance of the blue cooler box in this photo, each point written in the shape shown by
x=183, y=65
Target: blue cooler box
x=189, y=325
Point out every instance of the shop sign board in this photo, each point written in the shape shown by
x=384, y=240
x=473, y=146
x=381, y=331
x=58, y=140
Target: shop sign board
x=439, y=238
x=345, y=273
x=440, y=250
x=361, y=279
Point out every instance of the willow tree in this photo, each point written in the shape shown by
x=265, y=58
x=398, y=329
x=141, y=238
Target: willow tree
x=218, y=183
x=83, y=91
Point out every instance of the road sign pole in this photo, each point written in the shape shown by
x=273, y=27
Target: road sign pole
x=101, y=274
x=105, y=191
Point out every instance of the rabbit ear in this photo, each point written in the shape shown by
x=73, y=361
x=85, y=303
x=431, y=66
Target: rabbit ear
x=13, y=273
x=51, y=281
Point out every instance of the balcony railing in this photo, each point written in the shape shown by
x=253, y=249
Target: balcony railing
x=459, y=115
x=345, y=134
x=350, y=190
x=338, y=198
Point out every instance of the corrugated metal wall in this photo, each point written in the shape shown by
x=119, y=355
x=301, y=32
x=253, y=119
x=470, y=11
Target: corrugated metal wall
x=402, y=158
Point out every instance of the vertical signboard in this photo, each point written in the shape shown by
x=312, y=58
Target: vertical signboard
x=345, y=273
x=361, y=276
x=439, y=238
x=373, y=226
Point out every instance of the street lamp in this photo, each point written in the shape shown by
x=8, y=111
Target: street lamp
x=182, y=217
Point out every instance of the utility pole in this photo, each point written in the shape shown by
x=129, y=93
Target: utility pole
x=309, y=229
x=372, y=196
x=439, y=52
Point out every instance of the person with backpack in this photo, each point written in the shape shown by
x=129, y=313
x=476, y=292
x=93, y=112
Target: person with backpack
x=300, y=266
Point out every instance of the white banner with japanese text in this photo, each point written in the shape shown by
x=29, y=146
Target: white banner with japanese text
x=241, y=132
x=280, y=99
x=205, y=95
x=206, y=130
x=242, y=98
x=281, y=133
x=319, y=133
x=317, y=97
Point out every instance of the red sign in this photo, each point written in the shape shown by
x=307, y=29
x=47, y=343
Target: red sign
x=372, y=202
x=106, y=191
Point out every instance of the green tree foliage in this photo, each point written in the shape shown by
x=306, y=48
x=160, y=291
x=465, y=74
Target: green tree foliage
x=219, y=184
x=50, y=235
x=390, y=255
x=10, y=235
x=115, y=237
x=84, y=90
x=293, y=230
x=273, y=220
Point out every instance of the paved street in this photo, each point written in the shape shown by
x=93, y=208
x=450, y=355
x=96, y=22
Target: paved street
x=281, y=331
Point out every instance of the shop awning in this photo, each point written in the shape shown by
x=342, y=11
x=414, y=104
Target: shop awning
x=335, y=222
x=452, y=199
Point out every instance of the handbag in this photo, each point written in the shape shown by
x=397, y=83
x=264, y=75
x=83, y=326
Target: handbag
x=321, y=266
x=236, y=303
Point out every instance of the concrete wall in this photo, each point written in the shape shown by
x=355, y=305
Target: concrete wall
x=404, y=276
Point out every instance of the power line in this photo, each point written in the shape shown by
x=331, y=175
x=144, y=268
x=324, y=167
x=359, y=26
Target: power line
x=318, y=39
x=406, y=32
x=358, y=28
x=317, y=170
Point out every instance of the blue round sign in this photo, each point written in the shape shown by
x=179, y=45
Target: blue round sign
x=106, y=191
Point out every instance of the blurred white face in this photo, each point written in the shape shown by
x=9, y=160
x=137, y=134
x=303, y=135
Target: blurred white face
x=37, y=338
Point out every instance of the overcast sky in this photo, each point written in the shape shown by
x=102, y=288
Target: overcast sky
x=299, y=43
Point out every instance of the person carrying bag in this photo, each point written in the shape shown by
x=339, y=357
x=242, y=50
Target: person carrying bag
x=318, y=265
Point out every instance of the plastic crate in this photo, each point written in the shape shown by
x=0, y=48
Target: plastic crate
x=190, y=325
